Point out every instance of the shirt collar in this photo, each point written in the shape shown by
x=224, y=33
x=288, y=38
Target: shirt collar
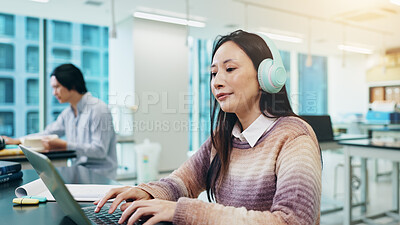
x=81, y=104
x=254, y=131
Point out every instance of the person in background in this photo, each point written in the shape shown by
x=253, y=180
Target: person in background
x=86, y=124
x=262, y=163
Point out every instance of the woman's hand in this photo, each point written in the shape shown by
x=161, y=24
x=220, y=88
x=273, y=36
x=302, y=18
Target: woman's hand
x=11, y=141
x=159, y=210
x=126, y=193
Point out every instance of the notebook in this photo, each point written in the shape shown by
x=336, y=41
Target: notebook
x=34, y=142
x=63, y=197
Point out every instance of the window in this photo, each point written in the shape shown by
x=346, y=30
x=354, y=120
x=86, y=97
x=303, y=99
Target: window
x=19, y=73
x=105, y=64
x=90, y=35
x=105, y=37
x=32, y=28
x=32, y=59
x=90, y=63
x=313, y=86
x=7, y=123
x=62, y=32
x=60, y=56
x=32, y=92
x=105, y=92
x=32, y=122
x=285, y=55
x=93, y=87
x=7, y=25
x=200, y=57
x=6, y=56
x=6, y=90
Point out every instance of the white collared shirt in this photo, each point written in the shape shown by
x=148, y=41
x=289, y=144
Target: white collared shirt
x=254, y=131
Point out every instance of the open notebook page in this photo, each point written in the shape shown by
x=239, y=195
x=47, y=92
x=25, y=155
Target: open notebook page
x=80, y=192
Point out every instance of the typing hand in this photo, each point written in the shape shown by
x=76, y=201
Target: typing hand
x=11, y=141
x=54, y=143
x=126, y=193
x=159, y=210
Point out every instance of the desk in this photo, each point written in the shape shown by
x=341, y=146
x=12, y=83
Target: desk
x=58, y=158
x=376, y=149
x=50, y=212
x=334, y=143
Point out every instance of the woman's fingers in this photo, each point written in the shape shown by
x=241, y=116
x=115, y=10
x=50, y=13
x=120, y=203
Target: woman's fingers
x=128, y=211
x=124, y=206
x=160, y=210
x=127, y=194
x=111, y=194
x=135, y=210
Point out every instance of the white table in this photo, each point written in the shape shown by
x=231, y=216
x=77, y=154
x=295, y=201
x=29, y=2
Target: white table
x=370, y=149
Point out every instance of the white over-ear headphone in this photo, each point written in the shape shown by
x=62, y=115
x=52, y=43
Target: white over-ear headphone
x=271, y=72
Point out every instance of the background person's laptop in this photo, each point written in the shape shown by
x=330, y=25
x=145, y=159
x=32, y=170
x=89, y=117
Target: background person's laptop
x=67, y=203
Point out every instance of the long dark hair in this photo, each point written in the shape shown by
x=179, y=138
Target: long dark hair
x=70, y=77
x=271, y=105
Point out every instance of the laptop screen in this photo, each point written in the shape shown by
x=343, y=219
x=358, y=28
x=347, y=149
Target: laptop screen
x=322, y=126
x=52, y=179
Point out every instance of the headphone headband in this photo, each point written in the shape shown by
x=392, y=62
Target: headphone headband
x=272, y=47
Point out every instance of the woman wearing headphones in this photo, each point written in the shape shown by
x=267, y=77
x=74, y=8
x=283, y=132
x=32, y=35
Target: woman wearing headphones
x=262, y=163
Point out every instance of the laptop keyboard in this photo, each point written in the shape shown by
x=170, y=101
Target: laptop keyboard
x=103, y=217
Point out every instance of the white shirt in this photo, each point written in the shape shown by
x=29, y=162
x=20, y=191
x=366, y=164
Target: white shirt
x=254, y=131
x=91, y=134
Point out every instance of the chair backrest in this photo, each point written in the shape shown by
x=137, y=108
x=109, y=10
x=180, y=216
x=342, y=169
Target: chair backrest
x=322, y=126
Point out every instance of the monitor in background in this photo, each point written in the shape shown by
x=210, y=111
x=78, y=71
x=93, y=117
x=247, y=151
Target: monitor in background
x=322, y=126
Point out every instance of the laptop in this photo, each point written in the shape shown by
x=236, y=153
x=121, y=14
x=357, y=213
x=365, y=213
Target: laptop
x=63, y=197
x=322, y=126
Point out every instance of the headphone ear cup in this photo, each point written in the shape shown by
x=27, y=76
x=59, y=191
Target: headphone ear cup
x=271, y=77
x=262, y=73
x=278, y=77
x=271, y=73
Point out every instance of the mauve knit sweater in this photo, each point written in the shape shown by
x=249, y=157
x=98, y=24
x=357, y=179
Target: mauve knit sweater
x=278, y=181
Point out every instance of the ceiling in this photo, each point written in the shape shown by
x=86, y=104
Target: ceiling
x=323, y=24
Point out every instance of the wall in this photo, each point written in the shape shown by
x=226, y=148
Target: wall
x=121, y=65
x=161, y=87
x=347, y=86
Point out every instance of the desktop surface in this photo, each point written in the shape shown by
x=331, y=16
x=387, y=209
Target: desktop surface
x=44, y=213
x=345, y=137
x=51, y=154
x=381, y=143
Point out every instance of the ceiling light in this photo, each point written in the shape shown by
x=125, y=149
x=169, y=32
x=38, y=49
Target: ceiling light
x=168, y=19
x=281, y=37
x=349, y=48
x=41, y=1
x=396, y=2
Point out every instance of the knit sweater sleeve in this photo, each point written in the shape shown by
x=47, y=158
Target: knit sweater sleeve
x=187, y=181
x=296, y=200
